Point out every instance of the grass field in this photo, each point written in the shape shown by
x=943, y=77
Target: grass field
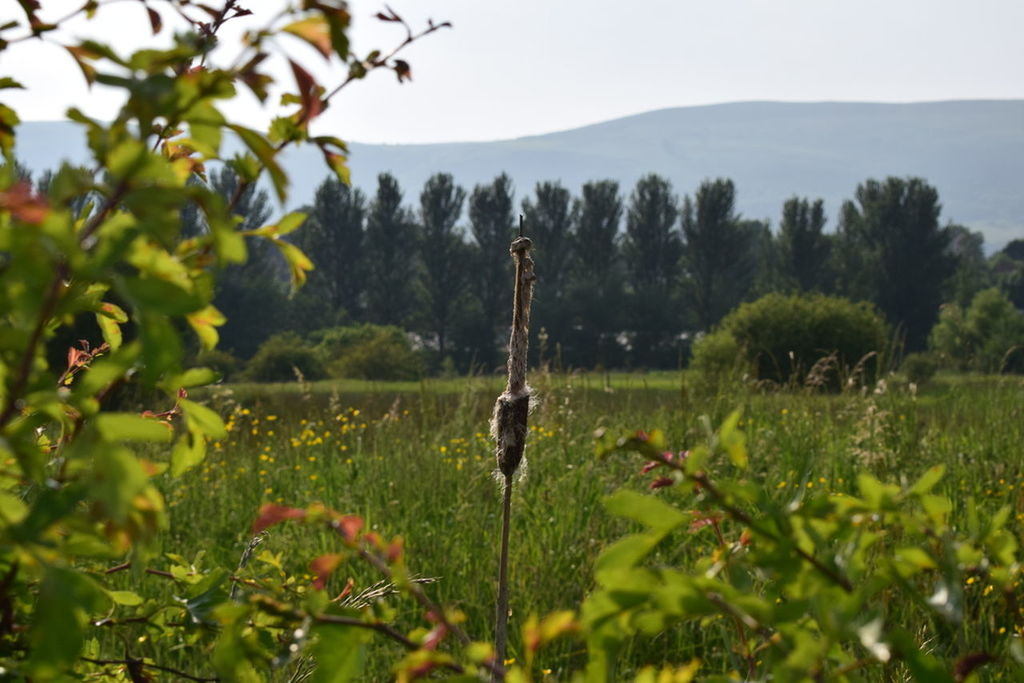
x=415, y=460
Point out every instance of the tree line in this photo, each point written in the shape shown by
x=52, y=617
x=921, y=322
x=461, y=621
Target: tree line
x=626, y=279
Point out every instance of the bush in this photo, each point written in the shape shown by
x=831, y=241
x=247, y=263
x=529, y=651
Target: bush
x=223, y=363
x=919, y=367
x=987, y=337
x=785, y=337
x=279, y=357
x=717, y=353
x=380, y=352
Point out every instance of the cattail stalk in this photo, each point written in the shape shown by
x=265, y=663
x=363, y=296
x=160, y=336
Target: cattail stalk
x=508, y=424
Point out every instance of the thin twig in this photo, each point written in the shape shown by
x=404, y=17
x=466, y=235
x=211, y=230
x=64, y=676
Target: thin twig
x=140, y=662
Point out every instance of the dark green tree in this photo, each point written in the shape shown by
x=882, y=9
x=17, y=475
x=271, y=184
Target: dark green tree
x=252, y=296
x=972, y=273
x=492, y=223
x=390, y=257
x=803, y=246
x=651, y=250
x=333, y=237
x=716, y=251
x=893, y=251
x=443, y=253
x=597, y=279
x=549, y=219
x=1007, y=268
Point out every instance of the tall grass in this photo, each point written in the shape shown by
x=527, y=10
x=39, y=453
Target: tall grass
x=418, y=462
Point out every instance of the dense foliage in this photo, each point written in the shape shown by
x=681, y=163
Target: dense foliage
x=812, y=338
x=631, y=278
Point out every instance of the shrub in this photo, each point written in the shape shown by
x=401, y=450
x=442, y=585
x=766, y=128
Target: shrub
x=919, y=367
x=987, y=337
x=717, y=353
x=366, y=351
x=783, y=337
x=280, y=356
x=223, y=363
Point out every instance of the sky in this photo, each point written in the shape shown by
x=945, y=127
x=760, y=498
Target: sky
x=511, y=69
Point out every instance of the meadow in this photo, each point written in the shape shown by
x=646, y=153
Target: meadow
x=415, y=460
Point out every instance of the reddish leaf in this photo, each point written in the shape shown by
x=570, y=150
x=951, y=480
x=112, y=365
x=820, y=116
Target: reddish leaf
x=271, y=514
x=434, y=638
x=315, y=31
x=700, y=520
x=322, y=567
x=348, y=526
x=395, y=551
x=309, y=93
x=155, y=22
x=346, y=591
x=24, y=205
x=80, y=54
x=402, y=70
x=662, y=482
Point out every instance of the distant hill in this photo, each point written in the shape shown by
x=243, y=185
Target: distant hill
x=971, y=151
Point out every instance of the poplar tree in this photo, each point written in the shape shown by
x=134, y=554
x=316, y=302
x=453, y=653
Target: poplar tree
x=803, y=246
x=333, y=237
x=443, y=253
x=597, y=281
x=716, y=251
x=549, y=219
x=651, y=251
x=492, y=223
x=390, y=256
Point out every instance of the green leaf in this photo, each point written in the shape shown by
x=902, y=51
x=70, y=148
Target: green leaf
x=116, y=479
x=648, y=510
x=203, y=420
x=116, y=427
x=205, y=595
x=298, y=262
x=876, y=494
x=65, y=601
x=188, y=451
x=12, y=509
x=205, y=323
x=339, y=652
x=928, y=480
x=126, y=598
x=733, y=440
x=267, y=155
x=111, y=331
x=624, y=553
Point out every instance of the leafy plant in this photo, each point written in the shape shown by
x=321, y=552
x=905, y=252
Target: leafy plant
x=368, y=351
x=807, y=587
x=987, y=337
x=282, y=358
x=808, y=338
x=79, y=504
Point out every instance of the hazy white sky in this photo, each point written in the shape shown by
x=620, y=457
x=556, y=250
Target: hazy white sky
x=509, y=69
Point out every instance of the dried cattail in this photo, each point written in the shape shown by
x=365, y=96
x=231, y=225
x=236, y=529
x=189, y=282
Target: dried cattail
x=508, y=424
